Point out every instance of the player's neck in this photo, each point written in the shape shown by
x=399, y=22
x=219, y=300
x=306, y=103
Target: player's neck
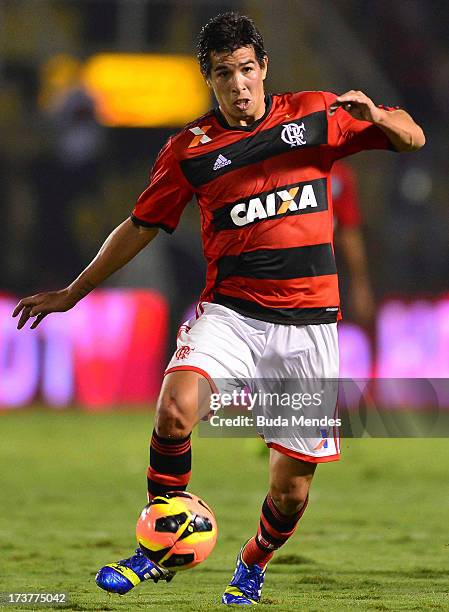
x=247, y=121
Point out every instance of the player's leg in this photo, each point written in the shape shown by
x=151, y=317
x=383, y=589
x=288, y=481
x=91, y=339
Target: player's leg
x=285, y=503
x=179, y=408
x=183, y=400
x=296, y=359
x=219, y=346
x=283, y=507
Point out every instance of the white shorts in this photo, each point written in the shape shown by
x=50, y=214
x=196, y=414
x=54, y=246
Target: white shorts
x=226, y=348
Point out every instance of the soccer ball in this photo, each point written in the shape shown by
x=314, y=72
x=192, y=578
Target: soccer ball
x=176, y=530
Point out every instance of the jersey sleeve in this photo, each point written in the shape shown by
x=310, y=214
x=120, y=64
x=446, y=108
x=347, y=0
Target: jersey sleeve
x=168, y=192
x=344, y=196
x=347, y=135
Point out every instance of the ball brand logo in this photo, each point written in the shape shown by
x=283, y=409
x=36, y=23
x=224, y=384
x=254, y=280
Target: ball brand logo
x=200, y=135
x=293, y=134
x=183, y=352
x=275, y=204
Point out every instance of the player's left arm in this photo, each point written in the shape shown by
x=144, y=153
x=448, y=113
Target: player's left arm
x=399, y=127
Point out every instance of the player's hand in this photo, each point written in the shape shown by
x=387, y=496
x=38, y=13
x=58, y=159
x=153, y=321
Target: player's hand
x=42, y=304
x=358, y=105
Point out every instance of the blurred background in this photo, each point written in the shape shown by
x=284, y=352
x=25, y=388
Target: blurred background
x=91, y=89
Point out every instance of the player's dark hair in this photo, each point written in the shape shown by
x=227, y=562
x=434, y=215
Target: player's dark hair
x=228, y=32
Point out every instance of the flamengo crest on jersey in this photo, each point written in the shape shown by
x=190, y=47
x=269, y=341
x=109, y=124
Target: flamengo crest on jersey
x=293, y=134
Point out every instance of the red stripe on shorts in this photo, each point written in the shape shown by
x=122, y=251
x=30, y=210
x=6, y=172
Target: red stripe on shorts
x=309, y=458
x=192, y=368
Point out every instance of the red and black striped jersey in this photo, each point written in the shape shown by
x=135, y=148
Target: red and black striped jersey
x=264, y=195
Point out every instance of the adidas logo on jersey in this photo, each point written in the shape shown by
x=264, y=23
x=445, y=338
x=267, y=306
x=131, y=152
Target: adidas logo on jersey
x=275, y=204
x=221, y=162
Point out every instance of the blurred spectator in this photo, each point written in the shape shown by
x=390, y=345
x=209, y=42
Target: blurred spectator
x=417, y=230
x=19, y=143
x=357, y=298
x=70, y=168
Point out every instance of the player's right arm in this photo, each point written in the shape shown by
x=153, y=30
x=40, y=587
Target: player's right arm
x=124, y=242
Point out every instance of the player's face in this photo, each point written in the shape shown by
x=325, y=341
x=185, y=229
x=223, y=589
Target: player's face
x=237, y=82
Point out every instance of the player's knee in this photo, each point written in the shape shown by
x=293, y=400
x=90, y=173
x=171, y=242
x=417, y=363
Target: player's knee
x=291, y=500
x=175, y=415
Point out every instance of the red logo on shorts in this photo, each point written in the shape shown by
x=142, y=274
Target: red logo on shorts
x=183, y=352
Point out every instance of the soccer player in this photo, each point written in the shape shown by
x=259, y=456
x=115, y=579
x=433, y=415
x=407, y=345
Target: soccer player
x=259, y=167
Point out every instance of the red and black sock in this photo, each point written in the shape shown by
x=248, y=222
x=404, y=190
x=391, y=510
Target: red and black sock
x=275, y=528
x=170, y=465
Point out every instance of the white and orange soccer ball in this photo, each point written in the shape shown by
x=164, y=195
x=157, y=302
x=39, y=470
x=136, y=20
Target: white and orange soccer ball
x=177, y=530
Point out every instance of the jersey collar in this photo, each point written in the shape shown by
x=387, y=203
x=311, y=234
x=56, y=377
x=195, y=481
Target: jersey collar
x=244, y=128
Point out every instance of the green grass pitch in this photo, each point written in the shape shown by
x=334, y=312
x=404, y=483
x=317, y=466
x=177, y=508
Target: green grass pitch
x=375, y=535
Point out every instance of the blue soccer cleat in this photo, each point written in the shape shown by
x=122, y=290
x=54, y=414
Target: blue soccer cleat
x=123, y=576
x=246, y=585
